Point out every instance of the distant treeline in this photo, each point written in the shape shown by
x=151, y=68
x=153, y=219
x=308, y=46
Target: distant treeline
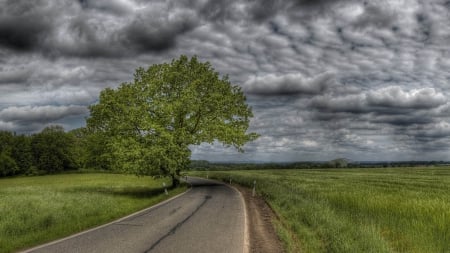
x=51, y=151
x=54, y=150
x=337, y=163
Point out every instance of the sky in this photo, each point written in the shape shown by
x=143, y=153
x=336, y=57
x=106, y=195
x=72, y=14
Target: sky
x=362, y=80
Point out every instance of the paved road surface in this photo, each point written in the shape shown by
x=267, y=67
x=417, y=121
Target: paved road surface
x=208, y=218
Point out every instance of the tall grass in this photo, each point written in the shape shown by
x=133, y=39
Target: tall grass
x=356, y=210
x=34, y=210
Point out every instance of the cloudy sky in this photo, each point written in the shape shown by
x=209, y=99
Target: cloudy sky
x=364, y=80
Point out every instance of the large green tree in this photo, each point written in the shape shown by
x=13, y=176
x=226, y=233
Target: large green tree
x=90, y=150
x=150, y=123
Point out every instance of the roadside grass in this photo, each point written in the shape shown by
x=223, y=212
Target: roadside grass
x=34, y=210
x=355, y=210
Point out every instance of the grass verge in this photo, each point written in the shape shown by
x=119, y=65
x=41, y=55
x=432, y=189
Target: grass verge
x=356, y=210
x=34, y=210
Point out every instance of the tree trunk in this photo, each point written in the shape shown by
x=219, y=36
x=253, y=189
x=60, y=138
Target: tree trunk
x=175, y=181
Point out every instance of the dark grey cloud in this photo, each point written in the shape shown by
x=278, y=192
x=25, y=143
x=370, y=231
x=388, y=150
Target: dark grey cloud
x=261, y=10
x=30, y=118
x=92, y=28
x=14, y=76
x=147, y=34
x=326, y=79
x=288, y=84
x=27, y=114
x=24, y=24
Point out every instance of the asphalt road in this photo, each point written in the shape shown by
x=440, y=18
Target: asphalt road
x=208, y=218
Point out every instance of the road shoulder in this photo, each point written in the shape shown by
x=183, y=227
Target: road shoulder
x=262, y=235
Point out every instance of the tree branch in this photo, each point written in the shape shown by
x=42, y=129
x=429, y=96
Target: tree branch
x=197, y=122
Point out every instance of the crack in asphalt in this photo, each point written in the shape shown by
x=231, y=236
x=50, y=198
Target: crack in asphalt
x=177, y=226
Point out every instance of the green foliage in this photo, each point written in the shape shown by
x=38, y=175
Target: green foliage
x=149, y=123
x=356, y=210
x=22, y=154
x=78, y=150
x=8, y=166
x=34, y=210
x=90, y=150
x=52, y=150
x=6, y=141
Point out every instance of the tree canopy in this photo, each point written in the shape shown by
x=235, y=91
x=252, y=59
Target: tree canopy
x=50, y=151
x=151, y=122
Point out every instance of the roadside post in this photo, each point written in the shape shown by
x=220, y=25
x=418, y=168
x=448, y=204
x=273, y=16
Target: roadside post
x=165, y=188
x=254, y=188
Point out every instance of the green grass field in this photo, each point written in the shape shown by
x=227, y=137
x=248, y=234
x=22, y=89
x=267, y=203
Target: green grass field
x=34, y=210
x=356, y=210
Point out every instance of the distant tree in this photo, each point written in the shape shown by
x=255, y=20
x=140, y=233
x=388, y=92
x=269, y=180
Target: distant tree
x=150, y=123
x=22, y=154
x=78, y=149
x=6, y=141
x=52, y=149
x=8, y=166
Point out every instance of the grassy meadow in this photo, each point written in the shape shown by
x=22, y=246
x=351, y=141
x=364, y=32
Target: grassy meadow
x=356, y=210
x=34, y=210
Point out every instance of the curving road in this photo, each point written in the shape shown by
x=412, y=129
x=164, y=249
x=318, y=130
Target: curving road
x=208, y=218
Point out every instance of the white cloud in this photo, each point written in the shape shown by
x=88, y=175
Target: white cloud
x=396, y=97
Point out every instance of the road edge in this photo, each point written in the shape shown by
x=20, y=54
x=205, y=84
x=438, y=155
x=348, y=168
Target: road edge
x=107, y=224
x=246, y=236
x=246, y=248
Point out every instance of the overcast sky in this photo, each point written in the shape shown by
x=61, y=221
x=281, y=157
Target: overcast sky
x=364, y=80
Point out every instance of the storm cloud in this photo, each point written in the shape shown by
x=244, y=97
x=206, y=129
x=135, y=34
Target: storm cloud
x=91, y=28
x=349, y=78
x=288, y=84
